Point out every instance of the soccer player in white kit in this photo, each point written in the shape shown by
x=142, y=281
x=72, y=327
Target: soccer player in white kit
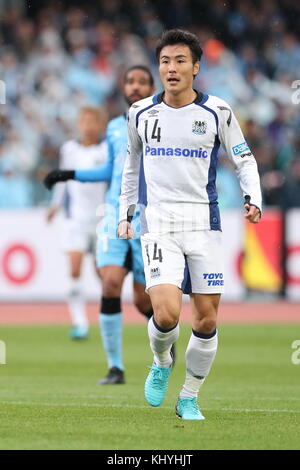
x=80, y=202
x=179, y=133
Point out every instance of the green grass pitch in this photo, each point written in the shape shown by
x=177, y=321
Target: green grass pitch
x=49, y=398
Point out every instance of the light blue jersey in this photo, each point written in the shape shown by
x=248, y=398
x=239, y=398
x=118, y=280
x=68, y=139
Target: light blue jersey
x=110, y=249
x=116, y=137
x=117, y=147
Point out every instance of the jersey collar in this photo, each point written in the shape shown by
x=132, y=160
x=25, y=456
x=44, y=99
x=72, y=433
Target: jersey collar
x=159, y=98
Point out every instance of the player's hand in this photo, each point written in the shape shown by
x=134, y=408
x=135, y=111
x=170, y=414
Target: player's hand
x=51, y=213
x=125, y=230
x=58, y=175
x=253, y=214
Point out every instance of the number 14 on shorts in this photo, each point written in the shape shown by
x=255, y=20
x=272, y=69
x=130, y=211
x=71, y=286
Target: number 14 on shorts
x=156, y=255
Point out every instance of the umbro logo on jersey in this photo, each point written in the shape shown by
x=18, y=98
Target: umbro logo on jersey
x=153, y=112
x=199, y=127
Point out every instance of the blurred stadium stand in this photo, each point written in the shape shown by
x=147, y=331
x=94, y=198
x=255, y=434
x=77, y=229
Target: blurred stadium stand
x=56, y=56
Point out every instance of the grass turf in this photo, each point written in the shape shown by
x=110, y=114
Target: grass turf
x=49, y=398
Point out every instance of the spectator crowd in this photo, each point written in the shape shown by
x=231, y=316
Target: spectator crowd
x=58, y=57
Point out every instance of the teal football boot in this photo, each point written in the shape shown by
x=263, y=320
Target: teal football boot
x=156, y=384
x=79, y=332
x=187, y=408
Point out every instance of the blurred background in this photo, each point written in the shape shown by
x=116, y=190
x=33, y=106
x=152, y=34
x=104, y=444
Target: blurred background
x=56, y=56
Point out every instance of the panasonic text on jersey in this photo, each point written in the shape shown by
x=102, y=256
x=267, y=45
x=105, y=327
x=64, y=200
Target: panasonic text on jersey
x=175, y=152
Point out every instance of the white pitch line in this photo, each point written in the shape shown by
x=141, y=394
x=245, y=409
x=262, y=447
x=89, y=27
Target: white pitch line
x=254, y=398
x=99, y=405
x=253, y=410
x=207, y=399
x=89, y=405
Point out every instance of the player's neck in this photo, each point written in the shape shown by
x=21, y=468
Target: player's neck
x=87, y=141
x=182, y=99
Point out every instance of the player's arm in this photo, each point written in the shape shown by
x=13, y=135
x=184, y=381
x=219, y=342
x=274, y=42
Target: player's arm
x=56, y=176
x=89, y=175
x=56, y=202
x=98, y=173
x=130, y=179
x=92, y=175
x=233, y=140
x=58, y=194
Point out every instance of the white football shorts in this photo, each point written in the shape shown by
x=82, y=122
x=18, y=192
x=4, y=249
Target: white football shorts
x=192, y=261
x=78, y=236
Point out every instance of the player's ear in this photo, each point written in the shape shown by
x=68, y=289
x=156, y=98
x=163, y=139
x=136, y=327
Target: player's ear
x=196, y=67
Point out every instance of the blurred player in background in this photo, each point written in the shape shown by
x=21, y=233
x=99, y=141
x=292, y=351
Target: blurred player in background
x=178, y=133
x=116, y=257
x=80, y=203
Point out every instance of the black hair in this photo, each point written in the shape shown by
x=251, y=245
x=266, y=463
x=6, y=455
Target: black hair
x=178, y=36
x=140, y=67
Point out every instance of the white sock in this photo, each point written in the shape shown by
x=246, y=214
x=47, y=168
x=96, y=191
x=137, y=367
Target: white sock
x=76, y=304
x=161, y=343
x=199, y=356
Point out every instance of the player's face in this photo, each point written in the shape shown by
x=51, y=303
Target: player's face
x=176, y=68
x=137, y=86
x=90, y=126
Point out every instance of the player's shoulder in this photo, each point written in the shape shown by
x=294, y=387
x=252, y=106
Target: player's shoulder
x=215, y=102
x=140, y=105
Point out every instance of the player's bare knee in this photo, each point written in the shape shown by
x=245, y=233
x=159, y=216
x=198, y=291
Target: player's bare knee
x=75, y=273
x=141, y=305
x=165, y=318
x=111, y=286
x=165, y=322
x=206, y=325
x=142, y=302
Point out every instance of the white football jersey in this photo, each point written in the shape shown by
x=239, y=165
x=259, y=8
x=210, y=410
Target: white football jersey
x=80, y=200
x=178, y=148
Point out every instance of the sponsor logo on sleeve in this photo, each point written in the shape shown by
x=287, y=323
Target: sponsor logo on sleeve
x=248, y=154
x=241, y=148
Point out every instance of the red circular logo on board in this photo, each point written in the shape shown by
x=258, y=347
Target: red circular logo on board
x=30, y=263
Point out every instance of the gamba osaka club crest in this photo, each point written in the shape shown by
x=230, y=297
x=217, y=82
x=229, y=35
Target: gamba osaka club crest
x=199, y=127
